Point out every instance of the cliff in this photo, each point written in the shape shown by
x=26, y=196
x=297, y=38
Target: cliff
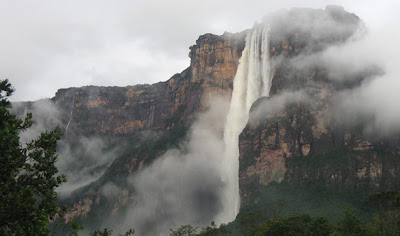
x=143, y=121
x=126, y=112
x=295, y=143
x=297, y=140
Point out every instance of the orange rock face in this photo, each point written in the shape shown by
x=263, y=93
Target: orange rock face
x=129, y=113
x=120, y=112
x=303, y=142
x=214, y=63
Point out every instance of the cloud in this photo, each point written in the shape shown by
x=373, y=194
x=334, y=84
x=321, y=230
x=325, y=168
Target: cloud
x=374, y=105
x=364, y=69
x=376, y=99
x=46, y=46
x=45, y=114
x=344, y=62
x=82, y=162
x=110, y=190
x=184, y=185
x=268, y=107
x=317, y=28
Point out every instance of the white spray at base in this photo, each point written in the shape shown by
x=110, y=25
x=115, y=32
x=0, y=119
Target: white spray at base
x=252, y=80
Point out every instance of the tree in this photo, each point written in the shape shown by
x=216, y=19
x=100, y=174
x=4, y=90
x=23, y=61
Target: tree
x=350, y=225
x=184, y=230
x=214, y=230
x=108, y=232
x=248, y=221
x=295, y=225
x=27, y=174
x=188, y=230
x=387, y=219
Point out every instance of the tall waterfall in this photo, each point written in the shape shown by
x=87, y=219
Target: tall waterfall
x=252, y=80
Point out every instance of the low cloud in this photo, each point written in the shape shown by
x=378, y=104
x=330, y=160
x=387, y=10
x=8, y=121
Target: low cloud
x=45, y=114
x=184, y=185
x=364, y=68
x=268, y=107
x=317, y=28
x=376, y=99
x=344, y=62
x=82, y=162
x=110, y=191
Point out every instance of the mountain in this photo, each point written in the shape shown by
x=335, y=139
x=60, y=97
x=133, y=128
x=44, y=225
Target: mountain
x=301, y=143
x=120, y=112
x=112, y=133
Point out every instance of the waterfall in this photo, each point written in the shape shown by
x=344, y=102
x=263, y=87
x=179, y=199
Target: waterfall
x=150, y=120
x=252, y=80
x=70, y=116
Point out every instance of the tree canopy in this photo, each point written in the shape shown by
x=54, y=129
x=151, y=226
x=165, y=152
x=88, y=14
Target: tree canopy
x=28, y=175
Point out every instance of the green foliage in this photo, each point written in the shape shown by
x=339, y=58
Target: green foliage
x=27, y=174
x=384, y=201
x=108, y=232
x=280, y=203
x=184, y=230
x=214, y=230
x=315, y=200
x=387, y=220
x=104, y=232
x=350, y=225
x=295, y=225
x=70, y=228
x=248, y=221
x=387, y=223
x=75, y=227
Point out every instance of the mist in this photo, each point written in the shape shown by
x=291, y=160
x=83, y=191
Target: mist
x=49, y=45
x=364, y=68
x=268, y=107
x=184, y=185
x=378, y=96
x=46, y=116
x=81, y=163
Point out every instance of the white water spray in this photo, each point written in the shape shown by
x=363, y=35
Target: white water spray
x=252, y=80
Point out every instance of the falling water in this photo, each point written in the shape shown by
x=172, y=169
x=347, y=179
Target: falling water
x=200, y=183
x=252, y=80
x=70, y=116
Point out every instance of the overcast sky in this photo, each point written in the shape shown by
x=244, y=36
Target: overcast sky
x=46, y=45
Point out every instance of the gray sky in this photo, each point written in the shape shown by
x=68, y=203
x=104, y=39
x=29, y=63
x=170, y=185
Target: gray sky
x=46, y=45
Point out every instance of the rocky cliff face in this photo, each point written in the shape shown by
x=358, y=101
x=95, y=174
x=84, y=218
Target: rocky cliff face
x=214, y=61
x=301, y=144
x=127, y=112
x=295, y=137
x=296, y=142
x=145, y=119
